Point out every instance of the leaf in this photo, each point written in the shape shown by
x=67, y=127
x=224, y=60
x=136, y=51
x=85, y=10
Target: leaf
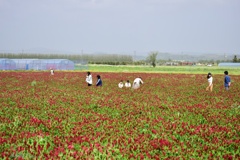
x=33, y=83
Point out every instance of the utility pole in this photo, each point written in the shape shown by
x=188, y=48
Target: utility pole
x=22, y=53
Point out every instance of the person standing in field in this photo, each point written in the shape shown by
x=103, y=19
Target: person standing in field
x=99, y=81
x=137, y=82
x=210, y=82
x=127, y=84
x=52, y=71
x=120, y=84
x=89, y=79
x=227, y=81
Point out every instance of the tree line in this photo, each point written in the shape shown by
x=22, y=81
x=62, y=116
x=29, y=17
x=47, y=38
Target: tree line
x=153, y=61
x=235, y=59
x=111, y=59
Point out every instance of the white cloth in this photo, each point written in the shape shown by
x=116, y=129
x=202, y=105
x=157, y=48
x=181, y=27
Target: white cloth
x=137, y=82
x=210, y=80
x=89, y=79
x=127, y=84
x=120, y=85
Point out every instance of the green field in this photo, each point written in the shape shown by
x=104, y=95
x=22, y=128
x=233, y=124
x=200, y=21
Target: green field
x=165, y=69
x=171, y=116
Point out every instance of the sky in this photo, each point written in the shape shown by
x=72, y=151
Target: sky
x=120, y=26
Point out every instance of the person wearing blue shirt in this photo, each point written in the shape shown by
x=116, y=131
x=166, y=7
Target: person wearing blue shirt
x=99, y=81
x=227, y=81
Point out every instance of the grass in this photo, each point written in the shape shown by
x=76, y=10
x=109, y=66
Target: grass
x=164, y=69
x=158, y=69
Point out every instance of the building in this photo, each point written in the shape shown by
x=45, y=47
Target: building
x=43, y=64
x=7, y=64
x=229, y=64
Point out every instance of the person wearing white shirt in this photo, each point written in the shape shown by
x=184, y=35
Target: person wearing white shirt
x=89, y=78
x=210, y=82
x=137, y=82
x=127, y=84
x=120, y=84
x=52, y=72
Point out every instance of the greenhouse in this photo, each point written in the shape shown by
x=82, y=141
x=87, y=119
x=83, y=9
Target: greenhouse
x=23, y=64
x=229, y=64
x=7, y=64
x=44, y=64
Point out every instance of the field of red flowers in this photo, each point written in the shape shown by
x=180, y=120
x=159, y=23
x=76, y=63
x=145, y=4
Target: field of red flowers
x=170, y=116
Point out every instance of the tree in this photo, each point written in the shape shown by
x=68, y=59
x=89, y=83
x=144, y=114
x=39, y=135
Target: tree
x=235, y=58
x=152, y=58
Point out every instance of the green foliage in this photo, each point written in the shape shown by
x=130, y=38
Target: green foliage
x=164, y=119
x=152, y=58
x=164, y=69
x=235, y=59
x=110, y=59
x=33, y=83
